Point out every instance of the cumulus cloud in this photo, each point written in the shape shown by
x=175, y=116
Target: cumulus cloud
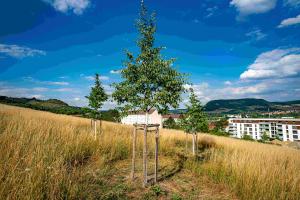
x=19, y=51
x=289, y=22
x=64, y=6
x=278, y=63
x=248, y=7
x=270, y=89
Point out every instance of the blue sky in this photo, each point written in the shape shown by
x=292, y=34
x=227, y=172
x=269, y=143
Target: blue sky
x=231, y=49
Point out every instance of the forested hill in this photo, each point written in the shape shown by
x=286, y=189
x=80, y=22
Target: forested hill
x=250, y=105
x=230, y=106
x=57, y=106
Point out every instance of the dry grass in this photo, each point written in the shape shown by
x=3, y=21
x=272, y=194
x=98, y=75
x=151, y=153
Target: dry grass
x=48, y=156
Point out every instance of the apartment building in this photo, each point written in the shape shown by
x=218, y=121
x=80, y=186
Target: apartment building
x=284, y=129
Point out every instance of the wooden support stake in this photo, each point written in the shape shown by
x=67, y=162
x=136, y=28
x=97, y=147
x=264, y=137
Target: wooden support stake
x=156, y=153
x=186, y=142
x=194, y=142
x=145, y=157
x=133, y=152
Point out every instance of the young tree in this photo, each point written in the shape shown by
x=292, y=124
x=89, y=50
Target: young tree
x=170, y=123
x=195, y=119
x=96, y=99
x=149, y=81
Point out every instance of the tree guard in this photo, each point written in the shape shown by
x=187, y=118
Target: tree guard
x=146, y=129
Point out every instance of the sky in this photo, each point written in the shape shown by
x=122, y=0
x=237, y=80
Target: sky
x=230, y=49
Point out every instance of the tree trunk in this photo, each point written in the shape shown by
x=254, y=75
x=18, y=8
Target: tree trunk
x=156, y=153
x=145, y=152
x=95, y=124
x=133, y=152
x=194, y=144
x=186, y=142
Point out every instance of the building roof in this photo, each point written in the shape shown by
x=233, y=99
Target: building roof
x=266, y=120
x=174, y=116
x=140, y=112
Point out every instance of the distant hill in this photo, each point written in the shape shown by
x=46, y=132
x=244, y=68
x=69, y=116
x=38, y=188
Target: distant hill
x=250, y=105
x=57, y=106
x=224, y=106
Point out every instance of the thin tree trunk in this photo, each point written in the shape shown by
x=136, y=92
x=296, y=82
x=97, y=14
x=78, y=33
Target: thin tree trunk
x=194, y=143
x=133, y=152
x=145, y=151
x=186, y=142
x=91, y=123
x=156, y=153
x=95, y=124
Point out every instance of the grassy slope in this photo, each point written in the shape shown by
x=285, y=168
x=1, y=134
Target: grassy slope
x=48, y=156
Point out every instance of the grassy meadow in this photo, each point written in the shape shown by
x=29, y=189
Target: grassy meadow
x=51, y=156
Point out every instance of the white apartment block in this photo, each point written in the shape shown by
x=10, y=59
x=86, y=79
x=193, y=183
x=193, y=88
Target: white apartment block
x=285, y=129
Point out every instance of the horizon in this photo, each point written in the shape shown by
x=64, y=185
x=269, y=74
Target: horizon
x=231, y=49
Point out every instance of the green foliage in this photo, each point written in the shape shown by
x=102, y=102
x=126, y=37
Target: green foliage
x=265, y=137
x=176, y=197
x=247, y=137
x=219, y=127
x=156, y=189
x=170, y=123
x=97, y=95
x=194, y=119
x=149, y=81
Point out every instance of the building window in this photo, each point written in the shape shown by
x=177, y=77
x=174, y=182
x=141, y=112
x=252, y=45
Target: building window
x=295, y=136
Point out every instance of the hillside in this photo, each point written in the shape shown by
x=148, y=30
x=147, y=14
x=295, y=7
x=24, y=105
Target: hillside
x=57, y=106
x=56, y=157
x=250, y=105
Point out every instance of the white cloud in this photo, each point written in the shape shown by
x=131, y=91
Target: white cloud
x=19, y=51
x=64, y=90
x=227, y=83
x=114, y=71
x=279, y=89
x=211, y=11
x=60, y=83
x=21, y=92
x=91, y=78
x=247, y=7
x=256, y=34
x=289, y=22
x=76, y=6
x=277, y=63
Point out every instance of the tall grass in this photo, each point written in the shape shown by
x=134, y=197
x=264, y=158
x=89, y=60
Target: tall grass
x=48, y=156
x=253, y=170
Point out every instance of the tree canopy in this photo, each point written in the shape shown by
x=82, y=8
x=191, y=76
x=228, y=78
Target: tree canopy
x=97, y=95
x=194, y=119
x=149, y=81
